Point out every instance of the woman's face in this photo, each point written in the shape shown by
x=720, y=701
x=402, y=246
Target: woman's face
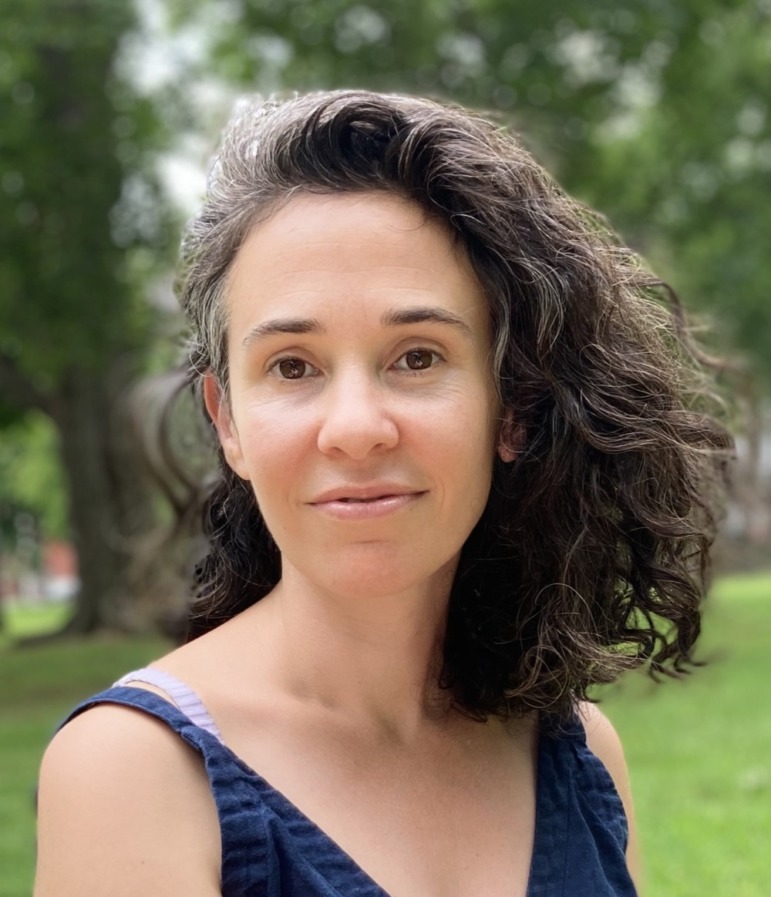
x=361, y=408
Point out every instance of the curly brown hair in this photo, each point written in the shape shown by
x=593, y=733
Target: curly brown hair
x=591, y=556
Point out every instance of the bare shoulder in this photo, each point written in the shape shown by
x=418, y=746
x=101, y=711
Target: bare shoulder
x=124, y=809
x=109, y=747
x=604, y=742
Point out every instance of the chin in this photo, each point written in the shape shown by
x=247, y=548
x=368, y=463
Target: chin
x=371, y=571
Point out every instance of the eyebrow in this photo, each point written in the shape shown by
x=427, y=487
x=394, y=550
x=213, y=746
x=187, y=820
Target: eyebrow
x=417, y=315
x=423, y=314
x=282, y=325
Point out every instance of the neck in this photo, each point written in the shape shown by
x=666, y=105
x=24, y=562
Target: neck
x=374, y=660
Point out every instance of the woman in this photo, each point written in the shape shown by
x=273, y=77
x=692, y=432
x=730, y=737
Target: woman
x=467, y=472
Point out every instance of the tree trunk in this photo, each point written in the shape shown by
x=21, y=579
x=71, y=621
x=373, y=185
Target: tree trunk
x=108, y=499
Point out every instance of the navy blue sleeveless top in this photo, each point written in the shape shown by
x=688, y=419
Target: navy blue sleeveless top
x=271, y=849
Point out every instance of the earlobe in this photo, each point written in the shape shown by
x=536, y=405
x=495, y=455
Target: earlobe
x=510, y=438
x=219, y=412
x=506, y=454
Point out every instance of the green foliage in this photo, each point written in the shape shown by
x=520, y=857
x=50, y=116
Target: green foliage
x=75, y=146
x=701, y=164
x=30, y=477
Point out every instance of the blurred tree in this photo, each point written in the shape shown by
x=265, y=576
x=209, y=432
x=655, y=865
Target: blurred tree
x=654, y=111
x=78, y=209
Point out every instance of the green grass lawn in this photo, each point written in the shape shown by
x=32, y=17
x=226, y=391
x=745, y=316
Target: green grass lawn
x=39, y=685
x=699, y=751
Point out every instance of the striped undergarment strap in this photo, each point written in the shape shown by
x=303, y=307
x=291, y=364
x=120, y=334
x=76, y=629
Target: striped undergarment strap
x=181, y=694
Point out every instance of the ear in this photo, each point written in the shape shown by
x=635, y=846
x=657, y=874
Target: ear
x=511, y=437
x=219, y=411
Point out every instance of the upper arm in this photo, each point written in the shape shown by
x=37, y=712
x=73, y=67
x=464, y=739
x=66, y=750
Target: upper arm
x=604, y=742
x=124, y=809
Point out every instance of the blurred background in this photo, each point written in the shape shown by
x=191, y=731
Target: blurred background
x=654, y=111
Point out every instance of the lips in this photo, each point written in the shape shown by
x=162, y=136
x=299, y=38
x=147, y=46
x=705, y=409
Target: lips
x=361, y=501
x=364, y=494
x=352, y=503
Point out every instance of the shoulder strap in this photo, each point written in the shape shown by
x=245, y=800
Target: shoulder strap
x=581, y=827
x=246, y=860
x=183, y=696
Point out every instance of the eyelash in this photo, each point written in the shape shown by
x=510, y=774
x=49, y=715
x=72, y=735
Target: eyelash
x=435, y=358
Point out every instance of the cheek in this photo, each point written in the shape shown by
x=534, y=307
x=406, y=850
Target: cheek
x=271, y=441
x=463, y=441
x=476, y=424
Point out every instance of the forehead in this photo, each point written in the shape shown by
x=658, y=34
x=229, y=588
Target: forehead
x=377, y=252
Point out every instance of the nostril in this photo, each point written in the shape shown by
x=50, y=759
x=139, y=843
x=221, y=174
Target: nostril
x=357, y=427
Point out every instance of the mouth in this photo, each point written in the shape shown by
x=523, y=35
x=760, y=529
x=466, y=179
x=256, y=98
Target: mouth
x=347, y=500
x=365, y=494
x=366, y=503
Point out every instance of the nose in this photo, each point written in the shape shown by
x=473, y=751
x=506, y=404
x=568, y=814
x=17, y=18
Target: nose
x=356, y=419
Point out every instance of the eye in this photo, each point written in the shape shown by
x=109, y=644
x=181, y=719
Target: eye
x=418, y=360
x=293, y=369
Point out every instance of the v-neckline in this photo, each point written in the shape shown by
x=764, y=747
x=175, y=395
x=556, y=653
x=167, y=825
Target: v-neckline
x=373, y=889
x=287, y=808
